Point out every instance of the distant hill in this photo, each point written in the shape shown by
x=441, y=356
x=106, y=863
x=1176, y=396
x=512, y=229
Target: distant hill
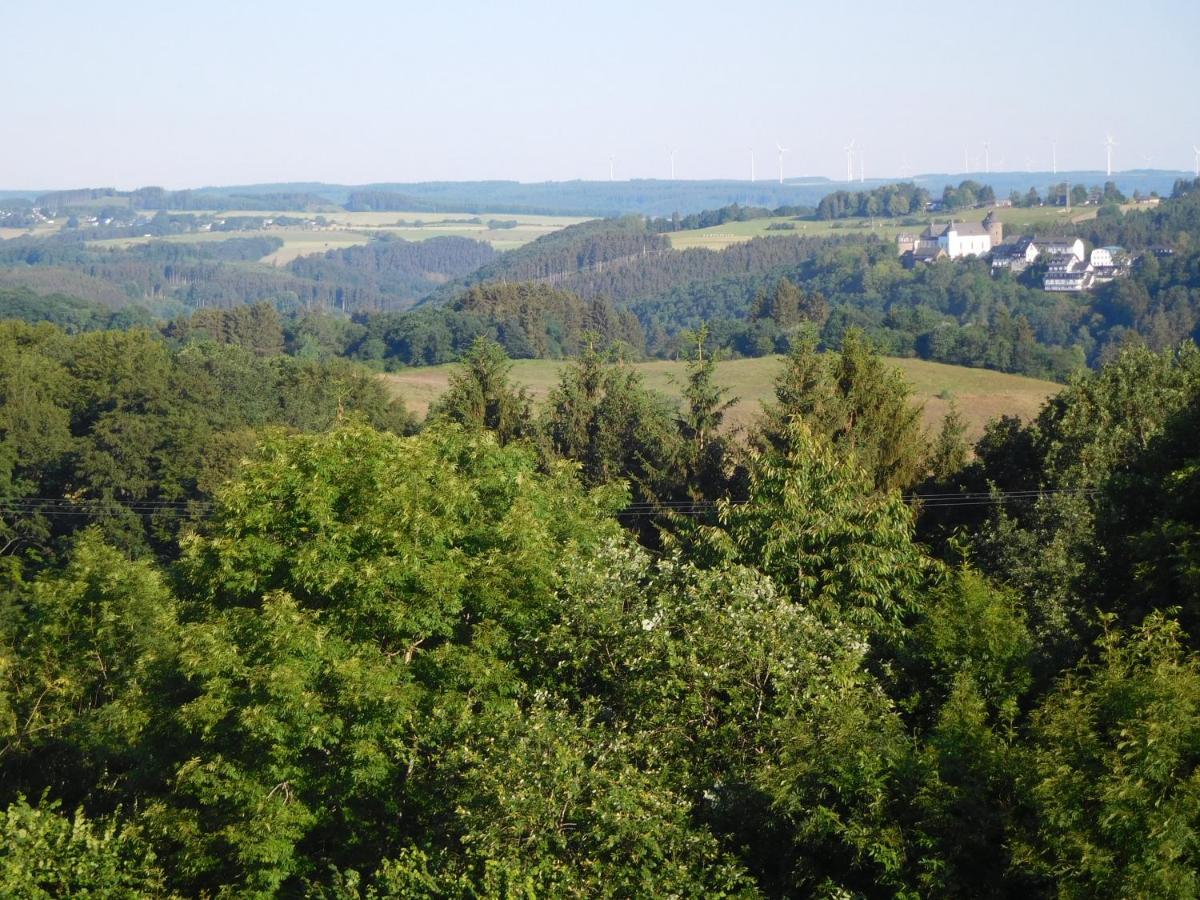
x=652, y=197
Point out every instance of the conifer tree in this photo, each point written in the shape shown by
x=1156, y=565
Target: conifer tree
x=856, y=400
x=699, y=421
x=481, y=394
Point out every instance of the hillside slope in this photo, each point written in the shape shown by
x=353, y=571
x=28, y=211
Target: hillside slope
x=980, y=394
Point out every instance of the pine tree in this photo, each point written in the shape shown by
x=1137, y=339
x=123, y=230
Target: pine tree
x=482, y=395
x=949, y=451
x=856, y=400
x=700, y=420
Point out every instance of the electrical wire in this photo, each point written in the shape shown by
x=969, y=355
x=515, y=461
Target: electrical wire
x=59, y=507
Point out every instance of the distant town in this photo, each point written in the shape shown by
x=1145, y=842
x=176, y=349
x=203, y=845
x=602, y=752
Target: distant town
x=1069, y=266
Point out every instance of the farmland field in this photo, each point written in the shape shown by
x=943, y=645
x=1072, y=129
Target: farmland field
x=346, y=229
x=980, y=394
x=42, y=230
x=720, y=236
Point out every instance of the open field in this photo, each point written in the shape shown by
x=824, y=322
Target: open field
x=346, y=229
x=37, y=231
x=979, y=393
x=720, y=236
x=296, y=241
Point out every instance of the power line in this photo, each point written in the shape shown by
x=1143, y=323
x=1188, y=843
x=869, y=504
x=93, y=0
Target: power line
x=58, y=507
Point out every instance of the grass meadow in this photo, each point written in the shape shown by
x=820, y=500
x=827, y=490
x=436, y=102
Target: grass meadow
x=720, y=236
x=347, y=229
x=980, y=394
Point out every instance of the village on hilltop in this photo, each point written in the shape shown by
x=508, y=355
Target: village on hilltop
x=1068, y=265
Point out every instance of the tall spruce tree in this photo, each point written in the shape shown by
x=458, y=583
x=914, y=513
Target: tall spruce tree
x=481, y=394
x=705, y=403
x=602, y=416
x=854, y=398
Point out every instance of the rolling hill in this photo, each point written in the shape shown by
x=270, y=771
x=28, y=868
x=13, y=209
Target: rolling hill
x=979, y=393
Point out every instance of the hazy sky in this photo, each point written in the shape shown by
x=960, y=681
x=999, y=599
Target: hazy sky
x=124, y=93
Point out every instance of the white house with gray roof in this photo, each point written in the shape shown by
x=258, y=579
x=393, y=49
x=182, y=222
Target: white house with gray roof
x=955, y=240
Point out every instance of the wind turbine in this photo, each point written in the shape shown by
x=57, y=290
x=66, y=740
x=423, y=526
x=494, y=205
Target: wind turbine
x=1054, y=157
x=673, y=152
x=1196, y=150
x=987, y=158
x=862, y=166
x=849, y=148
x=610, y=168
x=966, y=160
x=752, y=165
x=782, y=150
x=1109, y=143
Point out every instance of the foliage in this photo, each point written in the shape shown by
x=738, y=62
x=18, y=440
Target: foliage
x=855, y=400
x=119, y=418
x=1113, y=770
x=1083, y=450
x=45, y=854
x=481, y=395
x=373, y=664
x=602, y=417
x=816, y=523
x=705, y=450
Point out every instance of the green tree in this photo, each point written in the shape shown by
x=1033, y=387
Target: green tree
x=949, y=452
x=79, y=650
x=862, y=405
x=1083, y=450
x=745, y=700
x=815, y=522
x=705, y=448
x=602, y=417
x=45, y=854
x=1112, y=773
x=481, y=394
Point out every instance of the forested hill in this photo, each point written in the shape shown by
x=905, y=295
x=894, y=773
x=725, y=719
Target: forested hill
x=558, y=258
x=647, y=197
x=392, y=273
x=955, y=312
x=167, y=277
x=624, y=260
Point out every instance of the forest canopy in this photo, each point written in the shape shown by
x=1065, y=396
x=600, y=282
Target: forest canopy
x=260, y=638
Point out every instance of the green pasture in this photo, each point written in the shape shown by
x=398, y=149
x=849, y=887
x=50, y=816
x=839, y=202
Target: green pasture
x=347, y=229
x=720, y=236
x=980, y=394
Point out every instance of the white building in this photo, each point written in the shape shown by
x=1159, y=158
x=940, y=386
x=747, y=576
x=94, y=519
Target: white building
x=1062, y=247
x=965, y=239
x=1068, y=273
x=1017, y=256
x=955, y=240
x=1109, y=257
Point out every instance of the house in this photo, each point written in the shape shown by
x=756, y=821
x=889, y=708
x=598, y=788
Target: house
x=1016, y=256
x=1061, y=247
x=961, y=239
x=1068, y=273
x=1109, y=263
x=928, y=254
x=955, y=240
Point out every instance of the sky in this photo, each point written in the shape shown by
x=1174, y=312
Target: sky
x=125, y=93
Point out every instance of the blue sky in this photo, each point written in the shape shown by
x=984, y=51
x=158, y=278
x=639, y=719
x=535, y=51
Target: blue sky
x=128, y=93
